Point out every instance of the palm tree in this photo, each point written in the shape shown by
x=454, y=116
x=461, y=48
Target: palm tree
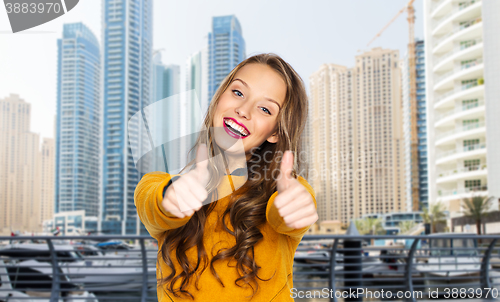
x=405, y=226
x=477, y=208
x=370, y=226
x=434, y=215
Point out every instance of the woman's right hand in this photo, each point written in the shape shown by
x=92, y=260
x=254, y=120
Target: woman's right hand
x=188, y=192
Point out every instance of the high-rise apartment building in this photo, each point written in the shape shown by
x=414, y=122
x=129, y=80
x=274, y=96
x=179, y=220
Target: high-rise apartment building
x=419, y=180
x=77, y=122
x=462, y=63
x=19, y=168
x=127, y=56
x=356, y=148
x=226, y=49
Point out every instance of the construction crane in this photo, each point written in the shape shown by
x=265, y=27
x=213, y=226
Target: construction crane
x=413, y=99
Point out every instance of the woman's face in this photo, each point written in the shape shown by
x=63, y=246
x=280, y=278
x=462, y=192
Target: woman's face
x=247, y=111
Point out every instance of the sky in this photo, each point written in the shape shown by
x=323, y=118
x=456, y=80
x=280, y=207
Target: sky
x=306, y=34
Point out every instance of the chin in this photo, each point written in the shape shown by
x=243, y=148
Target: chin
x=228, y=143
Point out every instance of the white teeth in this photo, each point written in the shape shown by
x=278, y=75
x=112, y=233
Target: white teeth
x=237, y=127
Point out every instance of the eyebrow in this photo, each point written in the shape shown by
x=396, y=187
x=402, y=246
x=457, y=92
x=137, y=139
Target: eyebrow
x=269, y=99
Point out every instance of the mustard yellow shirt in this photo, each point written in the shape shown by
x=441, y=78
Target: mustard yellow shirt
x=274, y=253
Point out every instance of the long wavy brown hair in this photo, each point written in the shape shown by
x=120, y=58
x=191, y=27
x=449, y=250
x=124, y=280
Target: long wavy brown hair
x=248, y=203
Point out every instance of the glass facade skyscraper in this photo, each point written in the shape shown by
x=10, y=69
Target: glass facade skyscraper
x=127, y=51
x=423, y=198
x=421, y=125
x=164, y=121
x=226, y=49
x=78, y=117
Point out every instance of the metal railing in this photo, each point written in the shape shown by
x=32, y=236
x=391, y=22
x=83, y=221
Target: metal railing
x=402, y=268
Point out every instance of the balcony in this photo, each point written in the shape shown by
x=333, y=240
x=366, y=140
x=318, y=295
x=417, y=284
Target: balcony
x=440, y=8
x=462, y=11
x=472, y=69
x=468, y=49
x=460, y=153
x=464, y=91
x=470, y=30
x=462, y=193
x=460, y=132
x=467, y=172
x=471, y=110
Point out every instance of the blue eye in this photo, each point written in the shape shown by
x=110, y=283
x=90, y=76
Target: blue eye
x=240, y=94
x=266, y=110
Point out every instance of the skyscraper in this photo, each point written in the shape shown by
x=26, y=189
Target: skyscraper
x=197, y=80
x=226, y=49
x=420, y=180
x=19, y=168
x=78, y=117
x=462, y=63
x=164, y=119
x=127, y=51
x=157, y=90
x=197, y=76
x=355, y=154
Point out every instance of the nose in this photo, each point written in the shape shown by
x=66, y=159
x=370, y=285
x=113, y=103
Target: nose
x=243, y=111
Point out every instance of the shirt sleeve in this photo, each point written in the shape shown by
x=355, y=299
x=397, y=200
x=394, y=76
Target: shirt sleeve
x=148, y=196
x=276, y=221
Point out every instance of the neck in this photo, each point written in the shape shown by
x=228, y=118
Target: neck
x=236, y=161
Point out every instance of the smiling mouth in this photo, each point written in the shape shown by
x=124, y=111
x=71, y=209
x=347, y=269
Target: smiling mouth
x=236, y=129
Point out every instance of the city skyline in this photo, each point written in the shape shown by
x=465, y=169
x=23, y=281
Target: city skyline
x=37, y=87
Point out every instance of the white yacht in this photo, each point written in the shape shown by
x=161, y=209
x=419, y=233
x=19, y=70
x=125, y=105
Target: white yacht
x=17, y=283
x=94, y=275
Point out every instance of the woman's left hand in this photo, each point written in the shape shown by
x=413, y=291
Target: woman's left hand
x=294, y=203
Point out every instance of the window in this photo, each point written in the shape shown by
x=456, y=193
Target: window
x=467, y=104
x=466, y=84
x=470, y=124
x=472, y=184
x=471, y=144
x=472, y=164
x=468, y=63
x=466, y=44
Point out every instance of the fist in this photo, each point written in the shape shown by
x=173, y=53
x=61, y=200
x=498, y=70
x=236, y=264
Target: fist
x=294, y=203
x=187, y=193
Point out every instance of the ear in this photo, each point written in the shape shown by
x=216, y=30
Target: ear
x=273, y=138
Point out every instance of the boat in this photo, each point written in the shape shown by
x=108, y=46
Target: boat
x=31, y=281
x=92, y=274
x=312, y=257
x=453, y=262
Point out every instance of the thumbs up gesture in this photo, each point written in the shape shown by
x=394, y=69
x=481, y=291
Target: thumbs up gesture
x=294, y=203
x=187, y=193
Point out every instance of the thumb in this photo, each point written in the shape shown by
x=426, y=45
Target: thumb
x=286, y=168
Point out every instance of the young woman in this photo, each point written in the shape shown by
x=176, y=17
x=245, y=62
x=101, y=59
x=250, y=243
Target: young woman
x=228, y=229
